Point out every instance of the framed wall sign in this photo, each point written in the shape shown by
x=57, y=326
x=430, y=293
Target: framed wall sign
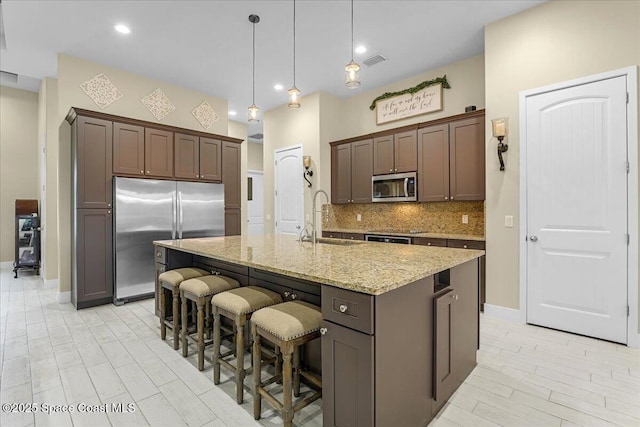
x=427, y=100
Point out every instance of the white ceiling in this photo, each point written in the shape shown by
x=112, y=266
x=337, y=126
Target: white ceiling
x=206, y=45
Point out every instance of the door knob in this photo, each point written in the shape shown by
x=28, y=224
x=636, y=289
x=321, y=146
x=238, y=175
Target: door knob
x=343, y=308
x=298, y=227
x=323, y=331
x=533, y=238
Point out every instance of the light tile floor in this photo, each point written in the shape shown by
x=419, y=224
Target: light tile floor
x=50, y=353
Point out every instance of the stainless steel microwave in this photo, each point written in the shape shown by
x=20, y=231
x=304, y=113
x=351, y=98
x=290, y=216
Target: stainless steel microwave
x=399, y=187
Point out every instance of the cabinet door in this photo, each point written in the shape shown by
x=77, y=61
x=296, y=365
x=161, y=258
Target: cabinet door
x=464, y=281
x=467, y=159
x=158, y=153
x=160, y=268
x=433, y=163
x=444, y=380
x=361, y=171
x=430, y=241
x=347, y=377
x=232, y=226
x=94, y=276
x=383, y=155
x=231, y=174
x=341, y=174
x=93, y=140
x=210, y=159
x=128, y=149
x=187, y=156
x=405, y=151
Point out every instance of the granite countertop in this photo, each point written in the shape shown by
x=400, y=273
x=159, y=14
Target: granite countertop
x=397, y=233
x=367, y=267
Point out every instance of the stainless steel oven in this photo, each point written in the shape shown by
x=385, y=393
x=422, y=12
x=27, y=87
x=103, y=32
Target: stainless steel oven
x=399, y=187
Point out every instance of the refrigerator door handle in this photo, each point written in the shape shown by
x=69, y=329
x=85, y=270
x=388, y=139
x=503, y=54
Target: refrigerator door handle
x=181, y=212
x=173, y=223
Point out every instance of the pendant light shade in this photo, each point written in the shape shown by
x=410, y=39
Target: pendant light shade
x=351, y=79
x=294, y=92
x=254, y=111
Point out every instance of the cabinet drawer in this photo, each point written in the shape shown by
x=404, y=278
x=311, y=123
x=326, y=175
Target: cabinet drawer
x=348, y=308
x=466, y=244
x=160, y=254
x=353, y=236
x=332, y=234
x=428, y=241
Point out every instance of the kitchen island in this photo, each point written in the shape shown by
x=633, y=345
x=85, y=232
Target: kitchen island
x=400, y=322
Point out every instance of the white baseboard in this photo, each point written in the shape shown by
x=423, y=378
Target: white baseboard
x=51, y=284
x=503, y=313
x=6, y=264
x=64, y=297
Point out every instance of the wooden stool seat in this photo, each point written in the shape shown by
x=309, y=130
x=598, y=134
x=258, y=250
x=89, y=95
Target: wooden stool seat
x=289, y=326
x=238, y=305
x=200, y=290
x=170, y=283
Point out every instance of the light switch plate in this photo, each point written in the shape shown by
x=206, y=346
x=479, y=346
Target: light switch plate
x=358, y=217
x=508, y=221
x=465, y=219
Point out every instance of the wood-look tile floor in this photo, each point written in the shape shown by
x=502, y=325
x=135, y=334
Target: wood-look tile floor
x=51, y=353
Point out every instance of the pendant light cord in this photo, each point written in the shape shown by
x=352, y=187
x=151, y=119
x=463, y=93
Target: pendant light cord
x=351, y=30
x=294, y=43
x=254, y=64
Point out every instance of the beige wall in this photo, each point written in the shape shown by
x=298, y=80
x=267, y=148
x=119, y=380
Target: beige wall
x=239, y=130
x=255, y=152
x=18, y=160
x=554, y=42
x=72, y=72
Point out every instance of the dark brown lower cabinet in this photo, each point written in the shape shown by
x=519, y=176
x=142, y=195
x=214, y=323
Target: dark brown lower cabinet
x=160, y=268
x=443, y=379
x=347, y=377
x=93, y=282
x=232, y=222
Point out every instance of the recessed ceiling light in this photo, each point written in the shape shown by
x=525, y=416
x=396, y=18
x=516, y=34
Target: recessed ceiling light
x=361, y=49
x=232, y=113
x=121, y=28
x=278, y=87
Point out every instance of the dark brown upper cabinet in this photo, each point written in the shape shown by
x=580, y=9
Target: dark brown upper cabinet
x=197, y=158
x=93, y=139
x=158, y=153
x=395, y=153
x=128, y=149
x=451, y=161
x=231, y=174
x=352, y=169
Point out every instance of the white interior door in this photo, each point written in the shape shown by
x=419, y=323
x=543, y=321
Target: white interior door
x=289, y=196
x=576, y=157
x=255, y=206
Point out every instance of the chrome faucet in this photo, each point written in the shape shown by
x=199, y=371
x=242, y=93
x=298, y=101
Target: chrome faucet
x=313, y=212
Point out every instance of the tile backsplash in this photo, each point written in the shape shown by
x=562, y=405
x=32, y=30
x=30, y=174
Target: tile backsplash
x=438, y=217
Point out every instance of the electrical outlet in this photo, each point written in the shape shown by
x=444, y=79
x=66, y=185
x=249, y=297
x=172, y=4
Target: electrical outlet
x=358, y=217
x=307, y=217
x=508, y=221
x=465, y=219
x=268, y=217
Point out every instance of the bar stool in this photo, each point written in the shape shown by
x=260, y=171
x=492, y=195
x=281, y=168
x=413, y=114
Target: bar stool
x=170, y=283
x=238, y=305
x=289, y=326
x=200, y=290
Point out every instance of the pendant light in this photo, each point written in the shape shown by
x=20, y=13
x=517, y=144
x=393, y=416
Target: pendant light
x=253, y=109
x=294, y=92
x=351, y=79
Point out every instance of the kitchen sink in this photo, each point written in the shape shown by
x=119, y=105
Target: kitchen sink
x=339, y=242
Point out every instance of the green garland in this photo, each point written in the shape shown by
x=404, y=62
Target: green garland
x=412, y=90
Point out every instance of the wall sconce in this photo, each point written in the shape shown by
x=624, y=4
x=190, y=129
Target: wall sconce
x=500, y=131
x=306, y=161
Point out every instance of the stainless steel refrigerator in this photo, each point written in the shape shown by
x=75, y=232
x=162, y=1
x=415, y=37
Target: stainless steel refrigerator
x=147, y=210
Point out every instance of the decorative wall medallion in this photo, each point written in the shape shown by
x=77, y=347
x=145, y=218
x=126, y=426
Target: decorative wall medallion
x=205, y=114
x=101, y=91
x=158, y=103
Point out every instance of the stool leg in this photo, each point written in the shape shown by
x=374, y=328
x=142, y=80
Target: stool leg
x=200, y=334
x=163, y=314
x=257, y=373
x=207, y=320
x=176, y=317
x=278, y=363
x=184, y=320
x=216, y=345
x=240, y=322
x=194, y=316
x=287, y=407
x=296, y=371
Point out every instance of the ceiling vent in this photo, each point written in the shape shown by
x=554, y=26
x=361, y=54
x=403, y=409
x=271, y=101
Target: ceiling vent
x=8, y=77
x=256, y=136
x=373, y=60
